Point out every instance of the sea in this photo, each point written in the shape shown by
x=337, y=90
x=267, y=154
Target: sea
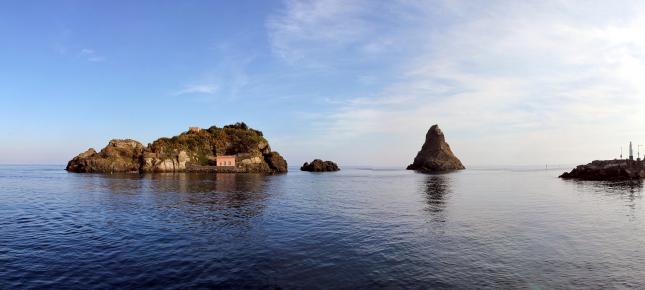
x=359, y=228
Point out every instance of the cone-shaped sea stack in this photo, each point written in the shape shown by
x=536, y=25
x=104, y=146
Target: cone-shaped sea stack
x=435, y=155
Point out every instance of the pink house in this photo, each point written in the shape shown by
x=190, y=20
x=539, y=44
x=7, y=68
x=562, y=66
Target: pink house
x=226, y=160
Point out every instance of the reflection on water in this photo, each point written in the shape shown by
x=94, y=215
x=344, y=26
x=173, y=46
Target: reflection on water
x=180, y=182
x=240, y=183
x=355, y=229
x=436, y=188
x=628, y=191
x=230, y=199
x=176, y=182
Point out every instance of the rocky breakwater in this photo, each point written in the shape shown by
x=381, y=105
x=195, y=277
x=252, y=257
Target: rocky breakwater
x=608, y=170
x=194, y=150
x=435, y=154
x=319, y=166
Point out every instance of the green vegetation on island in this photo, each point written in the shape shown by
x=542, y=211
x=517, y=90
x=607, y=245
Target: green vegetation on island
x=194, y=150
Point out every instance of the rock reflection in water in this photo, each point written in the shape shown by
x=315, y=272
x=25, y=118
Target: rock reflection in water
x=231, y=182
x=206, y=182
x=629, y=191
x=436, y=189
x=358, y=229
x=221, y=199
x=241, y=194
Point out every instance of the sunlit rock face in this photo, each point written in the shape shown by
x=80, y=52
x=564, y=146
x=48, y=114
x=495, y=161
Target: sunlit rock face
x=194, y=150
x=435, y=154
x=118, y=156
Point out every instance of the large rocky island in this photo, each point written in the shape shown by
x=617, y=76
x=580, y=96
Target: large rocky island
x=244, y=148
x=609, y=170
x=435, y=154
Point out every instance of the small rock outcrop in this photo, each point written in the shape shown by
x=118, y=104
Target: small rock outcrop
x=319, y=166
x=194, y=150
x=276, y=162
x=117, y=156
x=435, y=154
x=607, y=170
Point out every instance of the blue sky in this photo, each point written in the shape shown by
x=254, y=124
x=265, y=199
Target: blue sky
x=358, y=82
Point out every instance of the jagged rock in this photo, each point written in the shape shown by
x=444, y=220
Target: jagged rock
x=264, y=147
x=252, y=160
x=81, y=162
x=276, y=162
x=319, y=166
x=117, y=156
x=87, y=153
x=195, y=149
x=607, y=170
x=435, y=155
x=153, y=163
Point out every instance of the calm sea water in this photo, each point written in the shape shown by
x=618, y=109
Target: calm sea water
x=357, y=228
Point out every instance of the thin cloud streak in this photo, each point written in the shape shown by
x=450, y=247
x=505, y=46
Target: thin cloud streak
x=208, y=89
x=91, y=55
x=528, y=71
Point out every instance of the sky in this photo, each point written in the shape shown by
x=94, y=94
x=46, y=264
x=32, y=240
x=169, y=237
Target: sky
x=358, y=82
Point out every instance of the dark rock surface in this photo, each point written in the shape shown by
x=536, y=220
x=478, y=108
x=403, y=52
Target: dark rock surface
x=319, y=166
x=435, y=155
x=608, y=170
x=194, y=150
x=276, y=162
x=117, y=156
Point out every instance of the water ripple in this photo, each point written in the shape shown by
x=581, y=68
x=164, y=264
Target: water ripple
x=358, y=228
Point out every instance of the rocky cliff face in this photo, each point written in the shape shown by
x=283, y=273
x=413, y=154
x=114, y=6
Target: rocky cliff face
x=276, y=162
x=117, y=156
x=435, y=155
x=319, y=166
x=608, y=170
x=193, y=150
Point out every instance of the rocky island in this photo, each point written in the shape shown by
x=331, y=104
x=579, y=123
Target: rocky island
x=234, y=148
x=435, y=154
x=319, y=166
x=610, y=170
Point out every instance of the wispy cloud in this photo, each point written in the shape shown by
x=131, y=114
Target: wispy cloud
x=224, y=82
x=208, y=89
x=527, y=73
x=91, y=55
x=312, y=32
